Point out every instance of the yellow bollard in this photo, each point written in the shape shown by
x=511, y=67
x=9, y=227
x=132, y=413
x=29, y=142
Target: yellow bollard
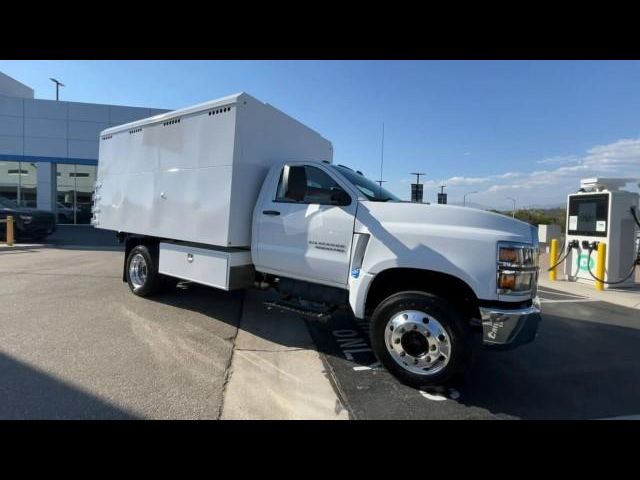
x=10, y=237
x=602, y=249
x=553, y=258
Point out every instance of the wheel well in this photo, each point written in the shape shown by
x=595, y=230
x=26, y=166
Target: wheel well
x=133, y=241
x=396, y=280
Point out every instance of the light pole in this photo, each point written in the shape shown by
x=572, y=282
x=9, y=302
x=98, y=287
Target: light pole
x=418, y=176
x=58, y=85
x=513, y=213
x=464, y=198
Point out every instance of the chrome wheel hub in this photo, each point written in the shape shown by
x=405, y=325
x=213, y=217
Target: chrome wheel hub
x=418, y=342
x=138, y=271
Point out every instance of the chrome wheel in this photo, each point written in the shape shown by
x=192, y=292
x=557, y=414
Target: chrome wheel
x=138, y=271
x=418, y=342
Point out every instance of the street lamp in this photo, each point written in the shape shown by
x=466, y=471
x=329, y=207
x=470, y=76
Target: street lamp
x=58, y=85
x=464, y=198
x=417, y=174
x=513, y=213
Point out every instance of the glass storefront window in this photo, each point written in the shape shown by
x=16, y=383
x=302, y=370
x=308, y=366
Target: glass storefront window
x=74, y=191
x=18, y=181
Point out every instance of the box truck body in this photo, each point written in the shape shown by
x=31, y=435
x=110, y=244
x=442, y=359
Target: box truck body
x=194, y=174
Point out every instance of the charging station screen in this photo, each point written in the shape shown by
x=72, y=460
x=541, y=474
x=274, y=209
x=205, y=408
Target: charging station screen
x=588, y=215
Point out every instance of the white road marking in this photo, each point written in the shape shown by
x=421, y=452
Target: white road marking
x=373, y=366
x=562, y=293
x=577, y=300
x=436, y=397
x=625, y=417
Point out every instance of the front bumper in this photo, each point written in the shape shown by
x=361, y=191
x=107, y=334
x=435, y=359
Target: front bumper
x=506, y=329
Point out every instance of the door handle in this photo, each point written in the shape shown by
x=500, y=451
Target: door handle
x=270, y=212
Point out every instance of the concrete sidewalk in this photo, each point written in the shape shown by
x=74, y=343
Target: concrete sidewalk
x=276, y=372
x=626, y=297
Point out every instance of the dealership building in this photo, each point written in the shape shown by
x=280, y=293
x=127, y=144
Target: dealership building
x=49, y=149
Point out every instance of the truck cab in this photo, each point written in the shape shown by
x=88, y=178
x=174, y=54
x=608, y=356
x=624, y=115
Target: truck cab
x=426, y=275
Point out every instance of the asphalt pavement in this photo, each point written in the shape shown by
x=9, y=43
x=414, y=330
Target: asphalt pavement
x=584, y=364
x=76, y=344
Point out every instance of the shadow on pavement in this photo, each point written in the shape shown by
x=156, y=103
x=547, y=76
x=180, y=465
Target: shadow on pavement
x=575, y=369
x=83, y=237
x=27, y=394
x=221, y=305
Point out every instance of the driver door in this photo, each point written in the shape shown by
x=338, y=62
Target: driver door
x=305, y=227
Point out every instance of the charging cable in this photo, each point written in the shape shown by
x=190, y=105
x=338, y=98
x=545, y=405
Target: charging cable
x=572, y=244
x=636, y=262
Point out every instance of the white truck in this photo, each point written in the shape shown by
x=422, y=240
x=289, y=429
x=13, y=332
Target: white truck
x=233, y=194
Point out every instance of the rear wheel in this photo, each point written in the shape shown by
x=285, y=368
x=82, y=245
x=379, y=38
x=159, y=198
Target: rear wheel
x=142, y=271
x=421, y=339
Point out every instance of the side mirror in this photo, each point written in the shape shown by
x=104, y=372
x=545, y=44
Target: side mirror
x=340, y=197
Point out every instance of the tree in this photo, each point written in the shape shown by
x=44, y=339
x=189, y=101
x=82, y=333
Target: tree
x=539, y=216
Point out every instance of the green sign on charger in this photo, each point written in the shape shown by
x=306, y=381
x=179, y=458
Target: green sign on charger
x=582, y=262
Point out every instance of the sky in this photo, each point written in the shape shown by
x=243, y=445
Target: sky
x=528, y=130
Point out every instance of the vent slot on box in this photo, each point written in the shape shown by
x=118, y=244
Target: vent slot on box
x=218, y=111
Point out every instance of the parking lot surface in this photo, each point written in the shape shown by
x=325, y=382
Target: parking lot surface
x=75, y=343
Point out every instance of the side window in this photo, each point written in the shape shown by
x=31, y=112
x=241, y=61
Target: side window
x=311, y=185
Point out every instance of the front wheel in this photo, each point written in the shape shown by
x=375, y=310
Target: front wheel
x=421, y=339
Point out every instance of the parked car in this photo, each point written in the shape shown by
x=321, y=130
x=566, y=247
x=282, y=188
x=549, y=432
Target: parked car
x=65, y=213
x=30, y=223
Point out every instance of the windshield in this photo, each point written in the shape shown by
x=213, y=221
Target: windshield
x=6, y=203
x=368, y=188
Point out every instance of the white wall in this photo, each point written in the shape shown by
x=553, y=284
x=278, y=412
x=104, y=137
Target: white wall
x=12, y=87
x=48, y=128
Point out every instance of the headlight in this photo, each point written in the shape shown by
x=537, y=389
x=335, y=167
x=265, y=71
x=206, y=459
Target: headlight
x=26, y=218
x=517, y=268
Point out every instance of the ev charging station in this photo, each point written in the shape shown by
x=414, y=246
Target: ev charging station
x=601, y=212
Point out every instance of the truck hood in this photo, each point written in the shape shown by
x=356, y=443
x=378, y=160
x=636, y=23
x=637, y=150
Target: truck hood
x=404, y=217
x=457, y=241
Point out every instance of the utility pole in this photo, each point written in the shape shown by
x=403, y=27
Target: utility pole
x=380, y=182
x=381, y=160
x=513, y=213
x=58, y=85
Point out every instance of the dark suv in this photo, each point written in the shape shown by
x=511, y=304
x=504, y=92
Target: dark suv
x=29, y=223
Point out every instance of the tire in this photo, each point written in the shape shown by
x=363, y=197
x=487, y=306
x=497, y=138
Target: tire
x=142, y=271
x=422, y=339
